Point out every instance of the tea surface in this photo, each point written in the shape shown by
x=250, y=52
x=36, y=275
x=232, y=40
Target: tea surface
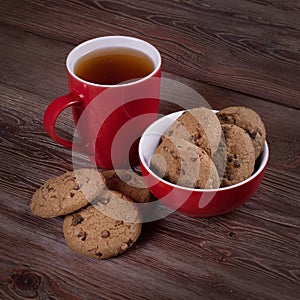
x=111, y=66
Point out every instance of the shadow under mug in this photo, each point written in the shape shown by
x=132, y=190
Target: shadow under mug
x=109, y=119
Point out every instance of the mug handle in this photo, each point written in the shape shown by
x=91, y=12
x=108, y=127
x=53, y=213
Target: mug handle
x=52, y=112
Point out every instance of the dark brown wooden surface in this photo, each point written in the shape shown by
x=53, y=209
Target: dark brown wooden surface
x=233, y=52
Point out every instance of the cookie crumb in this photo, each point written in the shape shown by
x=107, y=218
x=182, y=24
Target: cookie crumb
x=124, y=247
x=231, y=234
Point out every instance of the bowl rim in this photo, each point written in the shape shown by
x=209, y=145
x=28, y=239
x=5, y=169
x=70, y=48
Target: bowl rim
x=264, y=157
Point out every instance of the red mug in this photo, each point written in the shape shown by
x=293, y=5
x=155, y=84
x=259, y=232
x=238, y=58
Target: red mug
x=109, y=119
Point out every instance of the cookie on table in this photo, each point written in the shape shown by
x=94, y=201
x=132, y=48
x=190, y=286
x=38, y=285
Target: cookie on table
x=240, y=155
x=249, y=120
x=199, y=126
x=181, y=162
x=129, y=183
x=105, y=229
x=66, y=193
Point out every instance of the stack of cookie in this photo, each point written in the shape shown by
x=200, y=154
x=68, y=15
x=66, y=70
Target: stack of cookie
x=102, y=219
x=205, y=150
x=244, y=137
x=184, y=154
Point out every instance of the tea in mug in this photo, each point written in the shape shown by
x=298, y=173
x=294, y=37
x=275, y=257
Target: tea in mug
x=112, y=66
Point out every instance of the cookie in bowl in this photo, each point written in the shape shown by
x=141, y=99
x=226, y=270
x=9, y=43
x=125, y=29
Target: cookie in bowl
x=199, y=126
x=248, y=120
x=181, y=162
x=203, y=202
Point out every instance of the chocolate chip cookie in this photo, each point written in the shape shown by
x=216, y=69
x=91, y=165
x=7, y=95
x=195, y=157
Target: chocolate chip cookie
x=105, y=229
x=249, y=120
x=199, y=126
x=240, y=155
x=128, y=183
x=66, y=193
x=183, y=163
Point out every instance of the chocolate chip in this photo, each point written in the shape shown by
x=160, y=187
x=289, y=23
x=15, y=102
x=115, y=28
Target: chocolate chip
x=105, y=234
x=50, y=189
x=82, y=235
x=253, y=134
x=223, y=118
x=125, y=177
x=99, y=254
x=76, y=187
x=236, y=164
x=119, y=223
x=230, y=158
x=129, y=243
x=77, y=219
x=72, y=195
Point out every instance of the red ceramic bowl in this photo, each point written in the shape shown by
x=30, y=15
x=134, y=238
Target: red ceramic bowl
x=194, y=202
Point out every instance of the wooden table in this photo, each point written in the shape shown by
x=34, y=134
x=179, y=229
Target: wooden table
x=238, y=52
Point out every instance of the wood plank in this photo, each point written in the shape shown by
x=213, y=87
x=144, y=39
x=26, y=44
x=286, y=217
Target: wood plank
x=247, y=46
x=217, y=254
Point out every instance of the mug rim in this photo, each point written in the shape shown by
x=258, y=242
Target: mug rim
x=264, y=157
x=70, y=65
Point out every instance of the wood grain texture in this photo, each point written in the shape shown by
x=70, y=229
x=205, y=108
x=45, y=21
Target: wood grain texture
x=247, y=46
x=233, y=52
x=206, y=244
